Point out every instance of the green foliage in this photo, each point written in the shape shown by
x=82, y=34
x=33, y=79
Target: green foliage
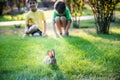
x=103, y=12
x=75, y=7
x=83, y=55
x=86, y=12
x=12, y=18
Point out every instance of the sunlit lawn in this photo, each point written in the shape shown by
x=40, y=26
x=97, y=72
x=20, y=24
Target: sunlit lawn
x=83, y=55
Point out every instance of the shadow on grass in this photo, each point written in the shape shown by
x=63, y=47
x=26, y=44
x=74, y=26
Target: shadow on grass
x=4, y=73
x=45, y=72
x=59, y=75
x=96, y=57
x=87, y=47
x=111, y=36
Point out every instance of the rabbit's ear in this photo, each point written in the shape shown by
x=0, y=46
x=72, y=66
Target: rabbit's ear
x=53, y=52
x=48, y=52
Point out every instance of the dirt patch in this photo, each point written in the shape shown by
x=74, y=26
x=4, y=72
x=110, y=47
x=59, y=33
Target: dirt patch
x=20, y=31
x=10, y=31
x=87, y=30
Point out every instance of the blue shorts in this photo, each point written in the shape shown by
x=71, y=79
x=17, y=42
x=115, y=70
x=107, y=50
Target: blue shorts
x=37, y=31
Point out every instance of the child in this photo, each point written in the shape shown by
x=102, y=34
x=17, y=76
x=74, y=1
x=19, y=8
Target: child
x=32, y=28
x=50, y=58
x=61, y=18
x=36, y=15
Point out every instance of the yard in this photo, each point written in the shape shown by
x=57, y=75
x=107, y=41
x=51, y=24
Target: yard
x=83, y=55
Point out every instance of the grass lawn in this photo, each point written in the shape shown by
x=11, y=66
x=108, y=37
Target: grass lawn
x=83, y=55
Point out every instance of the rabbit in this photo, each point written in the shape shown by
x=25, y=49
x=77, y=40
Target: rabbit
x=50, y=58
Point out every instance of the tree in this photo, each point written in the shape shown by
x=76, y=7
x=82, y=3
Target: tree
x=103, y=13
x=20, y=4
x=2, y=3
x=75, y=7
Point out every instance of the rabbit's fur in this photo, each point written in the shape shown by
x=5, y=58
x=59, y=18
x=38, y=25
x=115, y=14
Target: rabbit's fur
x=50, y=58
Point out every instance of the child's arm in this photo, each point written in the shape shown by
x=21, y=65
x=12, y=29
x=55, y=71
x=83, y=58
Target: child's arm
x=44, y=30
x=69, y=20
x=54, y=28
x=67, y=27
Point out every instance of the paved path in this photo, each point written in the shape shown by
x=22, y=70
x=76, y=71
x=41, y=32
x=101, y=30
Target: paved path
x=48, y=20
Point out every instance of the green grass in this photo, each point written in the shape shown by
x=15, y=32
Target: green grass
x=90, y=23
x=85, y=23
x=83, y=55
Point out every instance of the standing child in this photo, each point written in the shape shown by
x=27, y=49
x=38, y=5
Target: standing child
x=37, y=16
x=61, y=18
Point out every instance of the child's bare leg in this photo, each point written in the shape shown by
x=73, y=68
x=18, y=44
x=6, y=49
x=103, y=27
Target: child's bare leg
x=57, y=20
x=63, y=21
x=25, y=32
x=32, y=28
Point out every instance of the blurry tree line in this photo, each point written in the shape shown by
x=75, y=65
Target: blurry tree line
x=48, y=3
x=7, y=6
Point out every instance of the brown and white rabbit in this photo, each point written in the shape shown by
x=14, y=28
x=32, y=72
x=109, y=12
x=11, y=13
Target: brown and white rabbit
x=50, y=58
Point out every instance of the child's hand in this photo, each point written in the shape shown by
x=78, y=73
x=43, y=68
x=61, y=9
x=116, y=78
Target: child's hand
x=66, y=34
x=57, y=35
x=44, y=34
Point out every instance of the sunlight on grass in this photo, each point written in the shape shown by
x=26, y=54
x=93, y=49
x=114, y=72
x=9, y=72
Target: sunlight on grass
x=7, y=17
x=82, y=55
x=115, y=30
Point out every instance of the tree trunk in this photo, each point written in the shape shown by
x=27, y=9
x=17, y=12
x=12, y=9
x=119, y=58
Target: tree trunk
x=2, y=3
x=102, y=24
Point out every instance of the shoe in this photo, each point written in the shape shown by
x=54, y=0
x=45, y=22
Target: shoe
x=67, y=34
x=60, y=33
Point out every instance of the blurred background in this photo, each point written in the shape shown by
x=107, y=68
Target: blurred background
x=20, y=6
x=9, y=9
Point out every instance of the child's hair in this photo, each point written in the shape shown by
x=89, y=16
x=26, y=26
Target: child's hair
x=60, y=7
